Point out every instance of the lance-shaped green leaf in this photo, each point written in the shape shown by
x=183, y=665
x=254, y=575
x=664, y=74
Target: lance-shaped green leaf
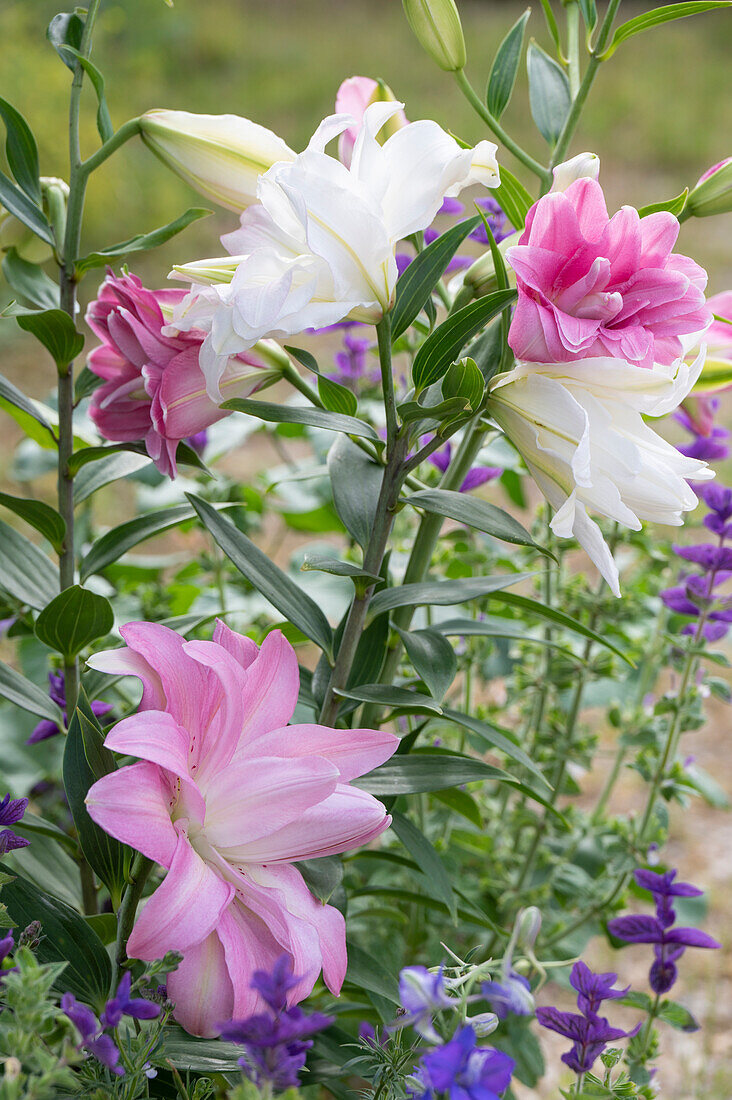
x=514, y=199
x=549, y=95
x=496, y=737
x=66, y=938
x=589, y=14
x=302, y=414
x=494, y=626
x=505, y=67
x=66, y=29
x=39, y=515
x=475, y=513
x=74, y=619
x=336, y=567
x=142, y=241
x=16, y=402
x=104, y=122
x=419, y=773
x=356, y=483
x=444, y=345
x=366, y=972
x=415, y=285
x=85, y=761
x=55, y=330
x=28, y=696
x=30, y=281
x=551, y=614
x=25, y=210
x=433, y=659
x=655, y=18
x=673, y=206
x=119, y=540
x=21, y=151
x=441, y=593
x=25, y=571
x=109, y=468
x=397, y=697
x=337, y=398
x=268, y=579
x=424, y=855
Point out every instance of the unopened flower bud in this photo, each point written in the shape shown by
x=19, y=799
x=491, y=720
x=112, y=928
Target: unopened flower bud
x=30, y=936
x=13, y=1069
x=528, y=926
x=480, y=278
x=583, y=166
x=14, y=234
x=221, y=156
x=484, y=1024
x=437, y=26
x=713, y=191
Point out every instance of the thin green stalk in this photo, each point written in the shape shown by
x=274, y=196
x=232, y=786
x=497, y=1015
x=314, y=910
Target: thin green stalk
x=573, y=38
x=141, y=868
x=422, y=550
x=72, y=239
x=494, y=125
x=128, y=130
x=383, y=336
x=570, y=125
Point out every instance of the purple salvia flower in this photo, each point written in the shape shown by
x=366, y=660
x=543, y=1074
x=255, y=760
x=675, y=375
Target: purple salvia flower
x=197, y=442
x=451, y=206
x=275, y=1044
x=11, y=811
x=497, y=220
x=56, y=690
x=123, y=1005
x=589, y=1034
x=461, y=1070
x=93, y=1039
x=510, y=997
x=422, y=994
x=656, y=883
x=592, y=989
x=475, y=477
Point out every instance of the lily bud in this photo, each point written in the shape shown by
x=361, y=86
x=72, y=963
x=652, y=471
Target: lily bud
x=713, y=191
x=14, y=234
x=480, y=278
x=584, y=165
x=528, y=926
x=437, y=26
x=221, y=156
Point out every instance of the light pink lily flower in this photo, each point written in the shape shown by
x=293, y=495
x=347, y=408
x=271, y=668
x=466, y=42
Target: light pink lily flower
x=226, y=797
x=154, y=389
x=352, y=98
x=592, y=286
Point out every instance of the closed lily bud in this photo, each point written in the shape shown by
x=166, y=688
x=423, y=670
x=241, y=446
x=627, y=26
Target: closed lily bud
x=528, y=926
x=221, y=156
x=584, y=165
x=480, y=278
x=437, y=26
x=713, y=191
x=14, y=234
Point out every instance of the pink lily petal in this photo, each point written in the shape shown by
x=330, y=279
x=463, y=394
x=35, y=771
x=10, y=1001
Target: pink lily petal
x=347, y=819
x=126, y=662
x=184, y=681
x=248, y=946
x=241, y=648
x=183, y=910
x=202, y=989
x=272, y=686
x=354, y=752
x=278, y=793
x=133, y=805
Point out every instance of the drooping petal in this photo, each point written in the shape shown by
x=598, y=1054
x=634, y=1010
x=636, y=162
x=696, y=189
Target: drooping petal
x=201, y=988
x=248, y=946
x=183, y=680
x=183, y=910
x=271, y=689
x=133, y=805
x=126, y=662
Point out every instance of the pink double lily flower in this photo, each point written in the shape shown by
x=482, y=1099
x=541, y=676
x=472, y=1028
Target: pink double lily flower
x=226, y=796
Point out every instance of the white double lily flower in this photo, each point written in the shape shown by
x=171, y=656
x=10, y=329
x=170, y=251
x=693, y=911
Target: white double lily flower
x=320, y=244
x=580, y=429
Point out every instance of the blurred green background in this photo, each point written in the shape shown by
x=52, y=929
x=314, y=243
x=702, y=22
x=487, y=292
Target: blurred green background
x=658, y=116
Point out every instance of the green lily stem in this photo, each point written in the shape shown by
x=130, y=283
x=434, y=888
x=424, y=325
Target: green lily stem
x=126, y=131
x=422, y=550
x=494, y=125
x=141, y=868
x=573, y=21
x=71, y=242
x=383, y=336
x=391, y=484
x=579, y=100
